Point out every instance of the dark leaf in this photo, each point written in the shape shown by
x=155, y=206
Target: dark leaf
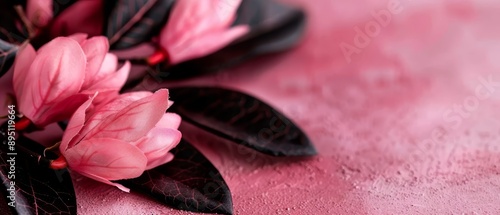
x=38, y=189
x=17, y=2
x=274, y=28
x=242, y=119
x=59, y=6
x=7, y=55
x=8, y=19
x=188, y=182
x=131, y=22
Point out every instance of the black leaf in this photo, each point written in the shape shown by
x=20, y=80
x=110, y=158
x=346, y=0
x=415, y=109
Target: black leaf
x=58, y=6
x=7, y=55
x=131, y=22
x=274, y=28
x=9, y=31
x=242, y=119
x=188, y=182
x=37, y=189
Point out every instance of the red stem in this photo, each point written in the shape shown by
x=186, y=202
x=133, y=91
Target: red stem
x=157, y=57
x=59, y=163
x=23, y=123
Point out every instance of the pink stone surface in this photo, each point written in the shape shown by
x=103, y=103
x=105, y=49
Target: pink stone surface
x=407, y=126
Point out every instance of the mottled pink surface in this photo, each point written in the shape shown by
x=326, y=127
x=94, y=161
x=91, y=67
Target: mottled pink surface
x=389, y=138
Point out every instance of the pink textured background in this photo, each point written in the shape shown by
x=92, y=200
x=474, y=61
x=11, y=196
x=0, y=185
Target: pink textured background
x=385, y=126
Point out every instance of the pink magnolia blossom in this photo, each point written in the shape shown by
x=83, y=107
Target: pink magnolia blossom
x=39, y=12
x=198, y=28
x=121, y=139
x=83, y=16
x=101, y=74
x=51, y=83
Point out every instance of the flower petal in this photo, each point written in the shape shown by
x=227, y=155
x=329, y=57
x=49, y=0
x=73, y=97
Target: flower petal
x=159, y=139
x=103, y=180
x=158, y=158
x=193, y=20
x=107, y=158
x=157, y=144
x=169, y=120
x=24, y=58
x=109, y=65
x=39, y=12
x=75, y=124
x=135, y=120
x=95, y=49
x=226, y=11
x=205, y=45
x=104, y=110
x=112, y=81
x=79, y=37
x=81, y=16
x=61, y=110
x=56, y=73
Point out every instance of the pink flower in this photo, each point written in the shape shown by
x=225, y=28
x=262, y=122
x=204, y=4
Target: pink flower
x=39, y=12
x=82, y=16
x=198, y=28
x=101, y=74
x=121, y=139
x=51, y=83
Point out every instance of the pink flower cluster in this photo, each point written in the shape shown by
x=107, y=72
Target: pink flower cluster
x=195, y=28
x=110, y=136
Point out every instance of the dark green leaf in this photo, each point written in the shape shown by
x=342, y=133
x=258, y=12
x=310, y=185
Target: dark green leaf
x=9, y=19
x=242, y=119
x=59, y=6
x=188, y=182
x=7, y=55
x=38, y=189
x=131, y=22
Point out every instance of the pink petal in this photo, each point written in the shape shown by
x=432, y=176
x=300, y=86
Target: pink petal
x=113, y=81
x=103, y=111
x=158, y=139
x=61, y=110
x=135, y=120
x=226, y=11
x=39, y=12
x=24, y=58
x=169, y=120
x=95, y=49
x=106, y=158
x=161, y=158
x=75, y=124
x=185, y=16
x=82, y=16
x=106, y=181
x=157, y=144
x=79, y=37
x=109, y=65
x=56, y=73
x=206, y=45
x=191, y=21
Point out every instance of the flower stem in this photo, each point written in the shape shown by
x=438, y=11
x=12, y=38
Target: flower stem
x=26, y=22
x=160, y=55
x=23, y=123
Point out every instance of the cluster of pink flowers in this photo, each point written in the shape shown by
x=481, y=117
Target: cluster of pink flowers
x=111, y=136
x=195, y=28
